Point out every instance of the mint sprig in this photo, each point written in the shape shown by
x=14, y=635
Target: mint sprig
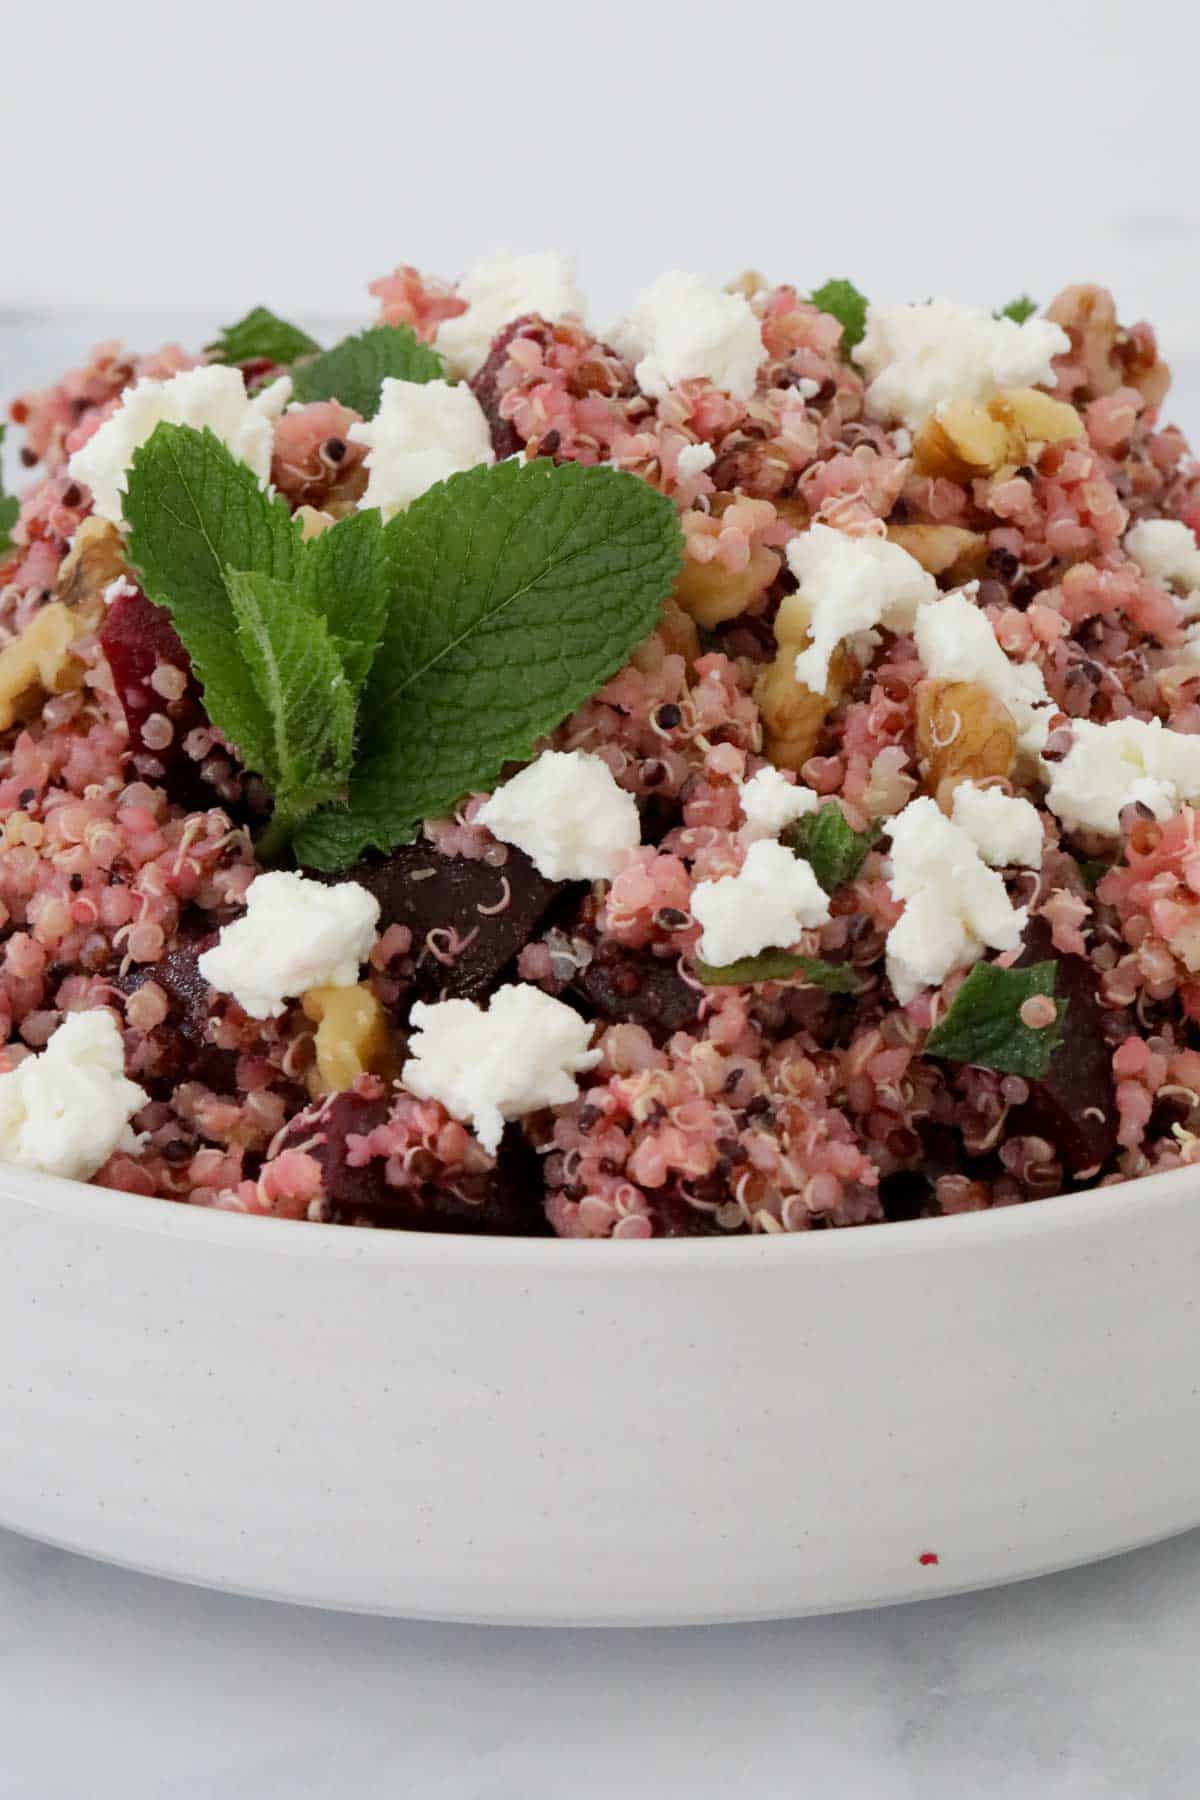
x=515, y=592
x=781, y=965
x=10, y=507
x=833, y=848
x=354, y=370
x=261, y=336
x=344, y=578
x=1018, y=310
x=842, y=300
x=984, y=1025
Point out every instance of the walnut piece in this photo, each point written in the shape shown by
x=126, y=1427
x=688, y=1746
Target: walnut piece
x=949, y=550
x=792, y=714
x=968, y=438
x=352, y=1037
x=963, y=734
x=710, y=593
x=95, y=560
x=39, y=659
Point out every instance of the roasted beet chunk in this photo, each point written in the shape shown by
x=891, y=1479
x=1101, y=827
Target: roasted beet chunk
x=138, y=637
x=640, y=989
x=1075, y=1106
x=482, y=917
x=189, y=1053
x=506, y=1201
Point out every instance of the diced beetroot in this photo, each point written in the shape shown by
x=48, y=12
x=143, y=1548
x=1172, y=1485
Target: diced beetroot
x=492, y=914
x=506, y=1201
x=137, y=637
x=675, y=1217
x=640, y=989
x=1075, y=1106
x=485, y=385
x=189, y=1053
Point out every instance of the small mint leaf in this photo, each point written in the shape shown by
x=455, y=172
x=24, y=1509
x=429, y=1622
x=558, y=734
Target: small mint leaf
x=261, y=335
x=10, y=508
x=844, y=302
x=516, y=592
x=832, y=847
x=1018, y=310
x=984, y=1026
x=309, y=707
x=781, y=965
x=194, y=511
x=343, y=578
x=354, y=370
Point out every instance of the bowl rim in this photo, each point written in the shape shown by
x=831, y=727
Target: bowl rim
x=149, y=1215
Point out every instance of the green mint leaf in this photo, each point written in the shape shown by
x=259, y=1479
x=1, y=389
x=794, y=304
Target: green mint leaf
x=984, y=1024
x=781, y=965
x=516, y=593
x=354, y=370
x=10, y=508
x=834, y=850
x=1018, y=310
x=843, y=300
x=261, y=334
x=195, y=511
x=1092, y=870
x=344, y=579
x=309, y=707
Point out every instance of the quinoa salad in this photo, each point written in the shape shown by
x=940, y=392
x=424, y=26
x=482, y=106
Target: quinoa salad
x=731, y=769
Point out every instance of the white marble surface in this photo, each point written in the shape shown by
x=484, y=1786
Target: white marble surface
x=1078, y=1687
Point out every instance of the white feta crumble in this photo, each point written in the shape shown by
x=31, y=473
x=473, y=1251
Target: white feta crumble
x=769, y=802
x=955, y=641
x=502, y=288
x=67, y=1109
x=568, y=814
x=1166, y=551
x=1005, y=829
x=694, y=459
x=519, y=1055
x=772, y=899
x=681, y=329
x=423, y=432
x=849, y=585
x=214, y=397
x=1110, y=766
x=295, y=934
x=954, y=905
x=916, y=358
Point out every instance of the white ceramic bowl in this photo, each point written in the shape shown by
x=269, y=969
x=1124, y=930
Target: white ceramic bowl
x=498, y=1429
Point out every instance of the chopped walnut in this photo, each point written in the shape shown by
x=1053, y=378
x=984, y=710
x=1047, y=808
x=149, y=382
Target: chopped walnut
x=967, y=438
x=943, y=550
x=352, y=1037
x=792, y=714
x=711, y=593
x=39, y=660
x=1104, y=355
x=963, y=734
x=675, y=634
x=312, y=521
x=95, y=560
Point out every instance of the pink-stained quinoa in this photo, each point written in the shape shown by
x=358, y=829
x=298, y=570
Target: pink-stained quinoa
x=713, y=1110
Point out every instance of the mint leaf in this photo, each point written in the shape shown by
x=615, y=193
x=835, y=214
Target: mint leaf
x=781, y=965
x=344, y=579
x=517, y=591
x=1092, y=870
x=1018, y=310
x=10, y=507
x=194, y=512
x=305, y=753
x=984, y=1024
x=832, y=847
x=354, y=370
x=843, y=300
x=261, y=334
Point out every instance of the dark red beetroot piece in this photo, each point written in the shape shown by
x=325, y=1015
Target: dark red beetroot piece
x=485, y=385
x=1075, y=1106
x=188, y=1052
x=136, y=637
x=507, y=1201
x=493, y=912
x=640, y=989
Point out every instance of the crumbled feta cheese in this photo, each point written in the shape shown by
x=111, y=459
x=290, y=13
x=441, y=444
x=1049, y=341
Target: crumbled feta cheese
x=423, y=432
x=955, y=641
x=1166, y=551
x=681, y=329
x=519, y=1055
x=67, y=1109
x=770, y=802
x=917, y=357
x=772, y=899
x=569, y=816
x=215, y=397
x=694, y=459
x=295, y=935
x=1109, y=766
x=1006, y=830
x=848, y=585
x=954, y=905
x=500, y=289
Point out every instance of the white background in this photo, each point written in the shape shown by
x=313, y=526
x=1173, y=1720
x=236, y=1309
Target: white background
x=180, y=162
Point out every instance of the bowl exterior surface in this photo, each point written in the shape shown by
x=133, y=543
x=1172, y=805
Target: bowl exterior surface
x=552, y=1433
